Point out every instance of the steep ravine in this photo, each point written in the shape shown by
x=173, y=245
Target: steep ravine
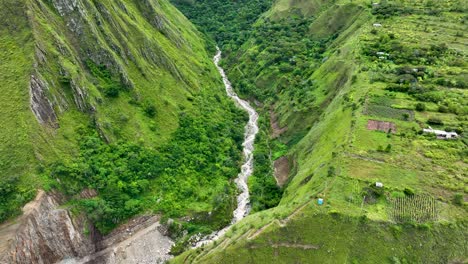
x=47, y=233
x=251, y=130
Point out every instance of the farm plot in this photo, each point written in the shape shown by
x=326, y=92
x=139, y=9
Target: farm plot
x=389, y=112
x=416, y=208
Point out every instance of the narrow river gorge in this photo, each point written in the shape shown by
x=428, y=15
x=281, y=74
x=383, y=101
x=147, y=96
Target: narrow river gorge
x=145, y=241
x=251, y=130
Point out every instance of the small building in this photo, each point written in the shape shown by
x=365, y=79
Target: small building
x=320, y=201
x=379, y=185
x=441, y=134
x=377, y=25
x=375, y=4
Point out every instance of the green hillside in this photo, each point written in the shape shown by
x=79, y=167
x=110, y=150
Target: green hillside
x=116, y=104
x=120, y=97
x=331, y=72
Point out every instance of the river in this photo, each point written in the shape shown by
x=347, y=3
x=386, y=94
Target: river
x=251, y=130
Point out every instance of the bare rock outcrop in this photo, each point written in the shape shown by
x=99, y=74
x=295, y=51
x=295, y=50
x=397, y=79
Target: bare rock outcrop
x=40, y=104
x=46, y=234
x=141, y=240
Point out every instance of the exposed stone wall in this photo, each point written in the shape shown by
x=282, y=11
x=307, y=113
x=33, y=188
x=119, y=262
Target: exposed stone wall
x=40, y=104
x=47, y=234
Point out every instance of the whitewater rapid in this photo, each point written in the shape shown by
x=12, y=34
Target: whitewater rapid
x=251, y=130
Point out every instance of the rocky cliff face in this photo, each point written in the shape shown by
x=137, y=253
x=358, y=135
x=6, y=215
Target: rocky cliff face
x=46, y=234
x=40, y=104
x=141, y=240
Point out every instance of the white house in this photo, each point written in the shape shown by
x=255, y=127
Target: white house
x=377, y=25
x=441, y=134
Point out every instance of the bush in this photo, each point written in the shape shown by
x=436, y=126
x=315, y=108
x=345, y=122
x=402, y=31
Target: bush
x=458, y=199
x=108, y=83
x=408, y=191
x=435, y=121
x=149, y=108
x=443, y=109
x=388, y=148
x=420, y=107
x=111, y=91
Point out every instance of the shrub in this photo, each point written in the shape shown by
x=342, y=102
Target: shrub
x=335, y=214
x=458, y=199
x=111, y=90
x=435, y=121
x=420, y=107
x=149, y=108
x=408, y=191
x=388, y=148
x=443, y=109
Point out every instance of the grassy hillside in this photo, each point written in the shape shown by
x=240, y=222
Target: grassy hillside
x=326, y=74
x=120, y=97
x=16, y=132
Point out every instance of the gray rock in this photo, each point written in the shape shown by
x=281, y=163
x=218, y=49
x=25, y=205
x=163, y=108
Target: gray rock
x=40, y=104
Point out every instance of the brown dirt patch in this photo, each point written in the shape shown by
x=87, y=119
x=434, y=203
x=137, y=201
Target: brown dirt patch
x=275, y=127
x=282, y=169
x=381, y=126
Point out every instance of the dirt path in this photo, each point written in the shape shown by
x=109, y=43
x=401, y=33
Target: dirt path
x=147, y=245
x=289, y=245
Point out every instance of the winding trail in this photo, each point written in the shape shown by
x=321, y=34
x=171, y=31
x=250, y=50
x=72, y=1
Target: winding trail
x=251, y=130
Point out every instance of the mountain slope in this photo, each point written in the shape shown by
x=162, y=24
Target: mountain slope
x=120, y=98
x=329, y=76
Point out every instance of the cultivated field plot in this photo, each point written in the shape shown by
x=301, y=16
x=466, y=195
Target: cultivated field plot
x=416, y=208
x=389, y=112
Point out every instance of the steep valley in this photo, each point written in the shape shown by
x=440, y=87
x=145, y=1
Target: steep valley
x=119, y=144
x=346, y=88
x=117, y=108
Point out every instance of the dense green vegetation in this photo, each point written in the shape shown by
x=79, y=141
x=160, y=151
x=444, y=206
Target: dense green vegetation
x=228, y=23
x=201, y=153
x=108, y=84
x=264, y=191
